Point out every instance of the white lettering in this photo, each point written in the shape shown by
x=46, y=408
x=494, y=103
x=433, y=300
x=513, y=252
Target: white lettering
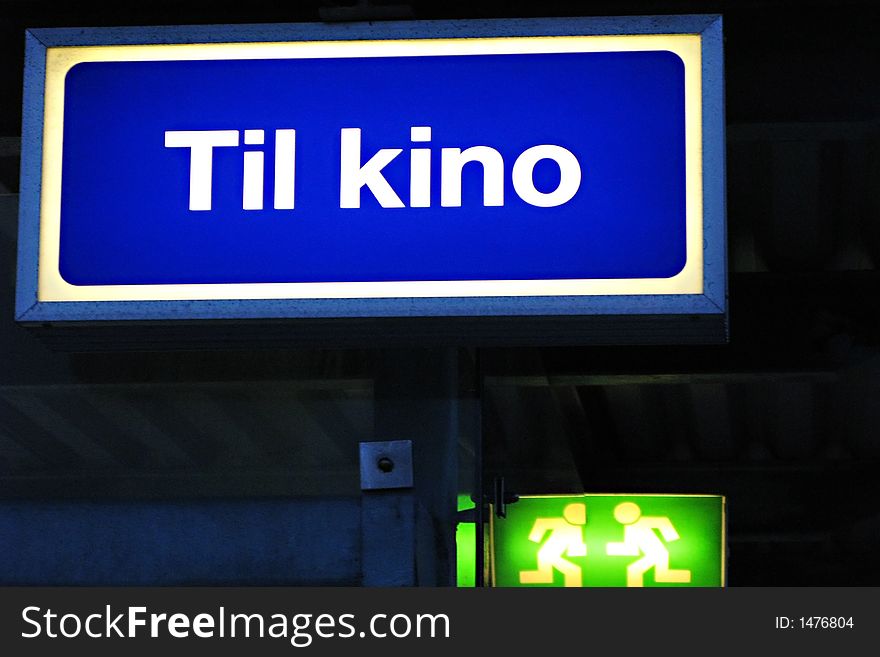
x=285, y=168
x=420, y=169
x=76, y=624
x=203, y=626
x=569, y=175
x=49, y=616
x=24, y=617
x=155, y=619
x=89, y=626
x=252, y=189
x=112, y=625
x=178, y=626
x=353, y=176
x=201, y=144
x=134, y=621
x=453, y=161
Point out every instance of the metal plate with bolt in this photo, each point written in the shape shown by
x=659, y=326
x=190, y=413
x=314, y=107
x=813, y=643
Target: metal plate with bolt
x=386, y=464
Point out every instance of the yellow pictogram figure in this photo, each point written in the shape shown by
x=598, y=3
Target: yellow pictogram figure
x=639, y=538
x=566, y=539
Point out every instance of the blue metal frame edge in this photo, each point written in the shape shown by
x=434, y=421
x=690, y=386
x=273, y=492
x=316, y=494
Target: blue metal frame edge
x=712, y=302
x=503, y=27
x=31, y=176
x=367, y=308
x=714, y=170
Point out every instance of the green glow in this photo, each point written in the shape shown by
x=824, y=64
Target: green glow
x=465, y=546
x=670, y=541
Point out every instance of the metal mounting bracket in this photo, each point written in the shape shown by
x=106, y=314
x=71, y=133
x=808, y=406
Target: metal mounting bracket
x=386, y=464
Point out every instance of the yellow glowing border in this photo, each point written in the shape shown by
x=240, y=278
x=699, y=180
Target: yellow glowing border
x=59, y=60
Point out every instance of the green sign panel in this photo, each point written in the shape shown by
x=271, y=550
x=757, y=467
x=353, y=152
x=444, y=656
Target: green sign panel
x=611, y=540
x=466, y=547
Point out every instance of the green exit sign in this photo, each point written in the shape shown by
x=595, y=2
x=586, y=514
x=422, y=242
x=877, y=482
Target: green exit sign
x=610, y=540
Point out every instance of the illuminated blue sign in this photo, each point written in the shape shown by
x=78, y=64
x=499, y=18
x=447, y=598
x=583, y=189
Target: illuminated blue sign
x=551, y=166
x=551, y=172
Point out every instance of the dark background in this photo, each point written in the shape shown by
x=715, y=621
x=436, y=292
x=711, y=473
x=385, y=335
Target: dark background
x=783, y=419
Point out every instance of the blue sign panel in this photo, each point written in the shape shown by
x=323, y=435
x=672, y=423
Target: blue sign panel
x=611, y=123
x=537, y=168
